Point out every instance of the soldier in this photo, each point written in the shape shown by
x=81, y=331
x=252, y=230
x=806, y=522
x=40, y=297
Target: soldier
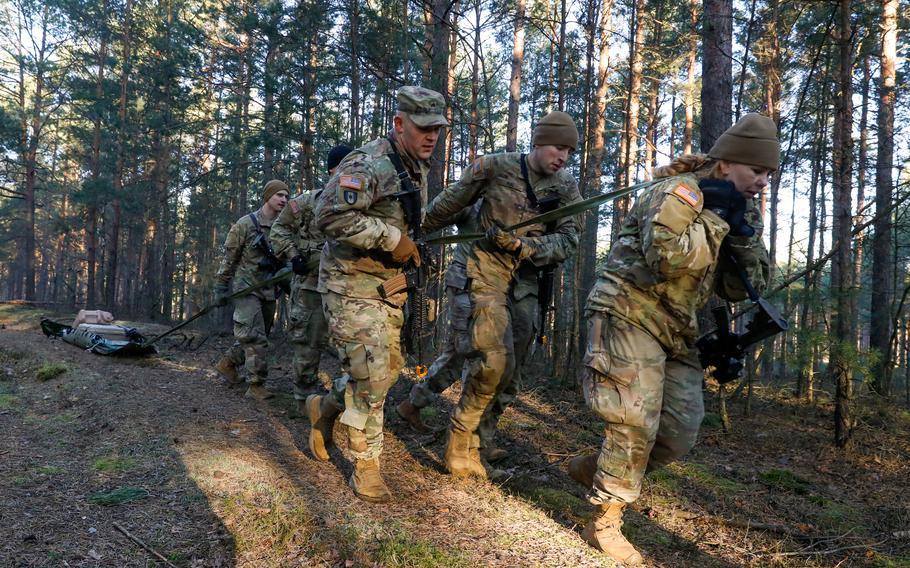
x=641, y=372
x=295, y=238
x=247, y=260
x=365, y=219
x=450, y=363
x=513, y=187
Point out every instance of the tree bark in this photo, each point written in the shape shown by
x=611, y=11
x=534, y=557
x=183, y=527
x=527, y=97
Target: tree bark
x=882, y=246
x=518, y=54
x=717, y=71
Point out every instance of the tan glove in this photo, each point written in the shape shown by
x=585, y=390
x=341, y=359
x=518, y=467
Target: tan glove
x=406, y=250
x=503, y=240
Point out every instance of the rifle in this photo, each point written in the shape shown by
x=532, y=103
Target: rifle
x=414, y=279
x=545, y=278
x=725, y=350
x=270, y=264
x=282, y=275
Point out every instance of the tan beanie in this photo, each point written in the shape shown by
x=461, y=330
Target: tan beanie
x=752, y=140
x=272, y=187
x=555, y=128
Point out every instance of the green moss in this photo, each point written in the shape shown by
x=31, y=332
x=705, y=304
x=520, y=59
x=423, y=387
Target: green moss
x=784, y=479
x=118, y=496
x=712, y=420
x=701, y=474
x=49, y=469
x=50, y=371
x=113, y=463
x=550, y=499
x=400, y=550
x=834, y=516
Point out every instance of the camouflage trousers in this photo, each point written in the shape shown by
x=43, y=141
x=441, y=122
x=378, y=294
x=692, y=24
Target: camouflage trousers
x=449, y=365
x=493, y=342
x=367, y=335
x=253, y=318
x=651, y=402
x=308, y=332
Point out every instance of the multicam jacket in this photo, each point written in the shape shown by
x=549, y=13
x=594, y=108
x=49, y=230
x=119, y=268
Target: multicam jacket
x=294, y=233
x=240, y=263
x=664, y=264
x=363, y=222
x=497, y=179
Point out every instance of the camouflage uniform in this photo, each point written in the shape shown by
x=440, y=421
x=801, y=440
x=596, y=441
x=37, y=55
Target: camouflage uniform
x=490, y=271
x=255, y=312
x=294, y=233
x=642, y=375
x=363, y=223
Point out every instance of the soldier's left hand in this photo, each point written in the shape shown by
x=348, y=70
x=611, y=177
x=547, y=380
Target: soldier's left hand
x=502, y=239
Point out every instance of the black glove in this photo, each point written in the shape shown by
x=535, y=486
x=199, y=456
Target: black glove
x=722, y=198
x=222, y=291
x=299, y=264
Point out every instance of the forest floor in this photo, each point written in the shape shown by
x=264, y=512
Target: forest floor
x=159, y=447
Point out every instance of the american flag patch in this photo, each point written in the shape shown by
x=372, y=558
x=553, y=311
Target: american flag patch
x=351, y=182
x=295, y=208
x=687, y=195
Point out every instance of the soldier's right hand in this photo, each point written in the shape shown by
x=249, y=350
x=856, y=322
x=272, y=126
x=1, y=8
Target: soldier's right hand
x=406, y=250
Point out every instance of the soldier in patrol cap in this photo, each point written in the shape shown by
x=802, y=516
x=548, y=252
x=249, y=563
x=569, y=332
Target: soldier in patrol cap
x=641, y=371
x=244, y=263
x=297, y=240
x=368, y=243
x=513, y=186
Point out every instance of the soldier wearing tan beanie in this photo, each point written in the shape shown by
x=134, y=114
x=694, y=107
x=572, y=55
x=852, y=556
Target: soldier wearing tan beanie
x=672, y=253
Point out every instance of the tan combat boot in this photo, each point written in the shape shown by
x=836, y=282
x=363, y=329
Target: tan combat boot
x=322, y=410
x=583, y=468
x=258, y=391
x=411, y=415
x=462, y=460
x=494, y=454
x=367, y=483
x=227, y=371
x=603, y=533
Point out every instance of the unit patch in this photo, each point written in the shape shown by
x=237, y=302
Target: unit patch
x=351, y=182
x=687, y=195
x=350, y=197
x=477, y=168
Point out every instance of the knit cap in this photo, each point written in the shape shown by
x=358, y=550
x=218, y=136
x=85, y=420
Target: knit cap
x=337, y=154
x=555, y=128
x=752, y=140
x=272, y=187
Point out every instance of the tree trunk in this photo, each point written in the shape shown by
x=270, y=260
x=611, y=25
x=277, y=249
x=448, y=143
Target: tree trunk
x=841, y=269
x=518, y=54
x=689, y=96
x=717, y=71
x=884, y=188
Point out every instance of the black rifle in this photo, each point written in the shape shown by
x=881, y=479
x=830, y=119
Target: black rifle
x=414, y=279
x=269, y=264
x=546, y=276
x=725, y=350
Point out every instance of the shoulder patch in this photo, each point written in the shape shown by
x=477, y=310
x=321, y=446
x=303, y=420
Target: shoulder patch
x=478, y=169
x=687, y=195
x=352, y=182
x=295, y=207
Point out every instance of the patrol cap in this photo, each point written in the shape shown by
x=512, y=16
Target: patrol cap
x=752, y=140
x=424, y=106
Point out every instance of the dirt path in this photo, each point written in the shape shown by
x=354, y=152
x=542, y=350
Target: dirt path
x=208, y=478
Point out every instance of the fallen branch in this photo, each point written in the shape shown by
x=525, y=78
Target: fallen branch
x=831, y=551
x=147, y=548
